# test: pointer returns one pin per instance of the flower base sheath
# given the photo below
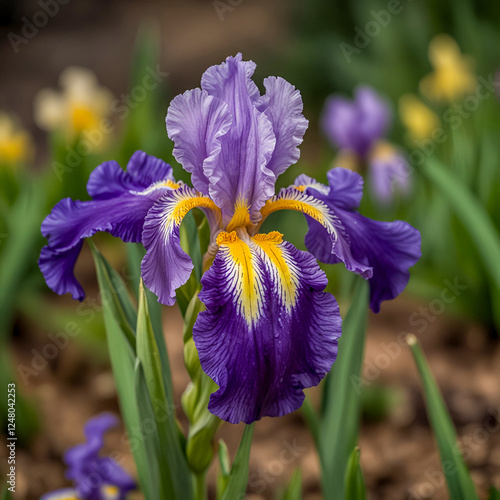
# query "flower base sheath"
(269, 330)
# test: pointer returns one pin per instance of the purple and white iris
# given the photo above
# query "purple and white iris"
(95, 477)
(269, 330)
(358, 127)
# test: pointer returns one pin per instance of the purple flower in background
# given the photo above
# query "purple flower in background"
(95, 477)
(358, 127)
(269, 330)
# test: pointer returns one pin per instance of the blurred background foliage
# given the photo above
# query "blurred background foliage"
(323, 48)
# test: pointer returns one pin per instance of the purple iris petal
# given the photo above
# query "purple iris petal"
(122, 202)
(356, 124)
(241, 175)
(166, 266)
(91, 472)
(387, 174)
(110, 180)
(389, 248)
(282, 104)
(232, 140)
(268, 331)
(196, 122)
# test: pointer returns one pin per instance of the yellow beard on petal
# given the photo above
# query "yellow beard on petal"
(241, 216)
(270, 246)
(245, 278)
(187, 204)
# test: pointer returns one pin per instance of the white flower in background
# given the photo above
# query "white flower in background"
(78, 107)
(16, 145)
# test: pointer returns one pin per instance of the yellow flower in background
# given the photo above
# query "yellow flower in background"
(420, 120)
(79, 107)
(16, 145)
(452, 77)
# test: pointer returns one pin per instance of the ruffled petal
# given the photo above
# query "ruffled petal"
(268, 330)
(282, 104)
(334, 243)
(241, 180)
(122, 215)
(196, 121)
(166, 266)
(109, 180)
(388, 248)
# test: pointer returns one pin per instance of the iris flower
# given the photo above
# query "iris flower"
(269, 330)
(358, 127)
(95, 477)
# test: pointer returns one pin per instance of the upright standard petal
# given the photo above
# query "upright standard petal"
(268, 331)
(166, 266)
(196, 122)
(120, 208)
(241, 180)
(282, 104)
(388, 248)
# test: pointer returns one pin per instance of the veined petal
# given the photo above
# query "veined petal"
(241, 176)
(268, 330)
(334, 243)
(282, 104)
(196, 121)
(120, 209)
(389, 248)
(109, 180)
(166, 266)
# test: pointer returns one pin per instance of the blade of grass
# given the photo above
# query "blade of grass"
(340, 423)
(176, 476)
(494, 494)
(294, 488)
(460, 484)
(135, 254)
(471, 213)
(355, 488)
(238, 478)
(122, 356)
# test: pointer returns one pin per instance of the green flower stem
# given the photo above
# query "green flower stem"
(201, 486)
(200, 446)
